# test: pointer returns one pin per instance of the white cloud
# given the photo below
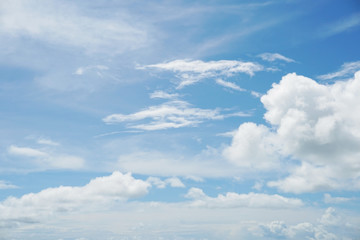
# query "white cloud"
(229, 85)
(47, 158)
(99, 193)
(26, 152)
(315, 124)
(45, 141)
(190, 72)
(98, 69)
(173, 182)
(172, 114)
(252, 146)
(271, 57)
(234, 200)
(329, 199)
(7, 185)
(163, 95)
(346, 70)
(342, 25)
(64, 23)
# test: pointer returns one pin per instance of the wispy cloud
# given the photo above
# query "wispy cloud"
(192, 71)
(47, 158)
(271, 57)
(346, 70)
(59, 22)
(342, 25)
(163, 95)
(331, 200)
(7, 185)
(172, 114)
(229, 85)
(233, 200)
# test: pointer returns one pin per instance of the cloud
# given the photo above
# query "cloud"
(346, 70)
(229, 85)
(65, 23)
(252, 146)
(99, 193)
(164, 95)
(234, 200)
(45, 141)
(47, 158)
(271, 57)
(26, 152)
(342, 25)
(172, 114)
(329, 199)
(7, 185)
(314, 124)
(190, 72)
(173, 182)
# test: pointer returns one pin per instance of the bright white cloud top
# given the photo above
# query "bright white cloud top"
(179, 120)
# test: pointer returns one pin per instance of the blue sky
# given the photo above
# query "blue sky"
(179, 119)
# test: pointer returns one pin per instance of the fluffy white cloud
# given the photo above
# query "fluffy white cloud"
(98, 193)
(234, 200)
(62, 22)
(46, 158)
(172, 114)
(313, 123)
(346, 70)
(271, 57)
(229, 85)
(252, 146)
(190, 72)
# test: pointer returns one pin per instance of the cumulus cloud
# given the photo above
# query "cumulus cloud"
(346, 70)
(315, 124)
(172, 114)
(46, 158)
(234, 200)
(271, 57)
(230, 85)
(61, 22)
(98, 193)
(192, 71)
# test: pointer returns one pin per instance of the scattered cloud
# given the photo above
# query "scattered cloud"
(64, 23)
(46, 158)
(7, 185)
(347, 69)
(173, 182)
(192, 71)
(99, 193)
(335, 200)
(271, 57)
(230, 85)
(172, 114)
(46, 141)
(99, 69)
(342, 25)
(164, 95)
(234, 200)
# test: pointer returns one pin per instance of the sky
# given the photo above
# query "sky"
(179, 119)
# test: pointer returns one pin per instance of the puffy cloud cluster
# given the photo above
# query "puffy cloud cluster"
(233, 200)
(313, 123)
(98, 193)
